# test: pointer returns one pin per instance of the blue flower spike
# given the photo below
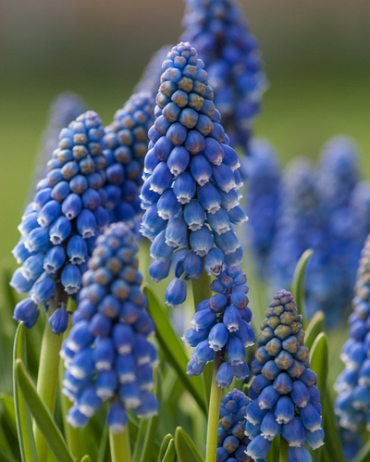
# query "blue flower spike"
(191, 183)
(232, 442)
(218, 30)
(353, 384)
(59, 227)
(107, 353)
(221, 325)
(126, 144)
(285, 399)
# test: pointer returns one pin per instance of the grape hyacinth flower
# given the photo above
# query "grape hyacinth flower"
(353, 384)
(107, 353)
(286, 401)
(263, 171)
(65, 108)
(192, 179)
(126, 144)
(60, 226)
(302, 225)
(221, 325)
(217, 29)
(232, 442)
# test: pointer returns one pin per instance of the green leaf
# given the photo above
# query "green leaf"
(5, 457)
(104, 445)
(332, 442)
(164, 445)
(8, 427)
(298, 281)
(364, 454)
(173, 348)
(170, 455)
(319, 359)
(314, 327)
(43, 418)
(86, 459)
(145, 442)
(185, 448)
(23, 418)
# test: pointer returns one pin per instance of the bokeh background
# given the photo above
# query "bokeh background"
(316, 57)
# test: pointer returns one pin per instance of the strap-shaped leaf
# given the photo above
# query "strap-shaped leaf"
(145, 447)
(173, 348)
(185, 448)
(332, 443)
(164, 445)
(319, 358)
(23, 418)
(43, 418)
(298, 281)
(314, 327)
(364, 453)
(86, 459)
(170, 455)
(5, 457)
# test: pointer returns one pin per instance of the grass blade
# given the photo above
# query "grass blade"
(298, 281)
(185, 448)
(42, 415)
(313, 329)
(23, 418)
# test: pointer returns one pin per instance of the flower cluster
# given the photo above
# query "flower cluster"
(60, 226)
(107, 354)
(221, 326)
(217, 29)
(232, 442)
(126, 144)
(262, 203)
(285, 398)
(192, 178)
(353, 384)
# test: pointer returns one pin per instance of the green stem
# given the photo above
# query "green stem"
(47, 379)
(120, 446)
(213, 415)
(73, 436)
(202, 291)
(283, 450)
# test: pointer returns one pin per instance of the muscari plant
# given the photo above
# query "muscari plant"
(190, 196)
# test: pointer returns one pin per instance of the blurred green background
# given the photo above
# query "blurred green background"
(316, 57)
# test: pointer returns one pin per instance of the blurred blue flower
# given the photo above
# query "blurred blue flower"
(192, 177)
(353, 384)
(262, 202)
(218, 30)
(150, 80)
(107, 353)
(285, 398)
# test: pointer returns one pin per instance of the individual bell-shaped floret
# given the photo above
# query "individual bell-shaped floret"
(286, 401)
(107, 353)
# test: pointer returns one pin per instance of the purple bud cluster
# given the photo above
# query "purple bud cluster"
(232, 442)
(353, 384)
(60, 226)
(221, 326)
(107, 353)
(126, 144)
(192, 178)
(262, 203)
(285, 398)
(217, 29)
